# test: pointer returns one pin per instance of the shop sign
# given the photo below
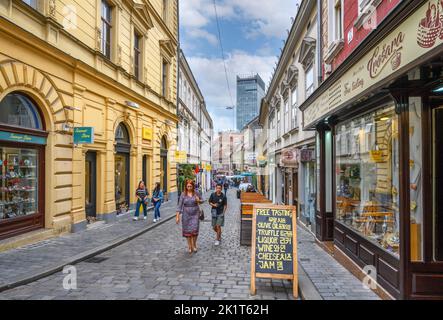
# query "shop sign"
(147, 133)
(208, 167)
(307, 155)
(413, 38)
(289, 157)
(21, 138)
(274, 244)
(181, 156)
(83, 135)
(376, 156)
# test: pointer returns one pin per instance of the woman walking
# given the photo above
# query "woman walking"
(157, 199)
(142, 197)
(188, 207)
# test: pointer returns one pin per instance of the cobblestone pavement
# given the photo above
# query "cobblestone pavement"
(157, 266)
(24, 261)
(331, 279)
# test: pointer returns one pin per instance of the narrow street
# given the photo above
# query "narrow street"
(157, 266)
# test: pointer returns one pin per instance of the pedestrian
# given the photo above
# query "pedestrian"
(142, 197)
(226, 185)
(157, 200)
(219, 204)
(189, 209)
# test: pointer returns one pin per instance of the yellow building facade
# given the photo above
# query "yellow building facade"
(105, 65)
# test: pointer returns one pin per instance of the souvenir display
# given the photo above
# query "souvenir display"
(18, 182)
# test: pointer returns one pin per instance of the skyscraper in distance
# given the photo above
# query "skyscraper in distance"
(250, 91)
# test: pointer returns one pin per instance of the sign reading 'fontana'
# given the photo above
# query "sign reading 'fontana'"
(421, 32)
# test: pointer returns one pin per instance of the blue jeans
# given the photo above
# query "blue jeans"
(137, 208)
(157, 209)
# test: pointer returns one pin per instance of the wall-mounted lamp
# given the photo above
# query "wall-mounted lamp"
(132, 104)
(439, 89)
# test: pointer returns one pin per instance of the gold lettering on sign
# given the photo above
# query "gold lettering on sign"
(389, 52)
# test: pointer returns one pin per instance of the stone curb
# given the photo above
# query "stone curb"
(80, 257)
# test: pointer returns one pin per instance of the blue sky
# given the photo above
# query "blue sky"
(252, 34)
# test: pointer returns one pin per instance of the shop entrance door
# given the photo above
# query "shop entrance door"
(91, 185)
(121, 181)
(295, 190)
(437, 137)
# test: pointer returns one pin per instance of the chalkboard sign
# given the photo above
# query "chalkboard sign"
(274, 244)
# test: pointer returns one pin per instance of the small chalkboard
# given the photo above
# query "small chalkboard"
(274, 244)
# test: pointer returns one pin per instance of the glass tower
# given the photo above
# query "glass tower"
(250, 91)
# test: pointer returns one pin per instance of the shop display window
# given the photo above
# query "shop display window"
(367, 177)
(18, 182)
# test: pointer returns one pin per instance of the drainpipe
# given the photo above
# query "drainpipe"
(319, 43)
(178, 89)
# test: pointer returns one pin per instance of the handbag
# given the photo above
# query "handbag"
(202, 214)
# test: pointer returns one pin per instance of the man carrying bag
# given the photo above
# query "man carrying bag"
(219, 204)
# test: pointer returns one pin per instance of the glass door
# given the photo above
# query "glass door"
(122, 181)
(437, 183)
(90, 185)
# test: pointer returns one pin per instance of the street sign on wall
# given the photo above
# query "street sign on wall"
(83, 135)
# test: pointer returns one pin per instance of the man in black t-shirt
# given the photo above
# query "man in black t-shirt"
(218, 203)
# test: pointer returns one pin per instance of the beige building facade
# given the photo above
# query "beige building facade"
(109, 66)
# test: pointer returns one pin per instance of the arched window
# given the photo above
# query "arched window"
(121, 134)
(164, 144)
(16, 109)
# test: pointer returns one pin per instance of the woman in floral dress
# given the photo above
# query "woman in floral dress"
(188, 207)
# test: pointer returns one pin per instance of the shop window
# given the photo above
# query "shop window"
(415, 178)
(18, 182)
(18, 110)
(367, 178)
(106, 17)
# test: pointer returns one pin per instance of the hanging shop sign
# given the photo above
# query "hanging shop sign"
(376, 156)
(83, 135)
(274, 244)
(289, 157)
(181, 156)
(307, 155)
(21, 138)
(417, 35)
(147, 133)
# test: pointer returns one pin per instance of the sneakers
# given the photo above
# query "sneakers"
(145, 217)
(155, 220)
(135, 219)
(217, 243)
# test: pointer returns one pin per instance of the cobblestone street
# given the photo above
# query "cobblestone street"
(157, 266)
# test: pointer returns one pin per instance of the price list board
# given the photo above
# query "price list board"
(274, 244)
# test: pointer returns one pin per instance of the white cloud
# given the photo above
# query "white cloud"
(261, 18)
(197, 33)
(210, 75)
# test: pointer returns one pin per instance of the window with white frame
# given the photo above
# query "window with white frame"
(106, 17)
(278, 122)
(309, 80)
(294, 108)
(338, 20)
(137, 54)
(287, 117)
